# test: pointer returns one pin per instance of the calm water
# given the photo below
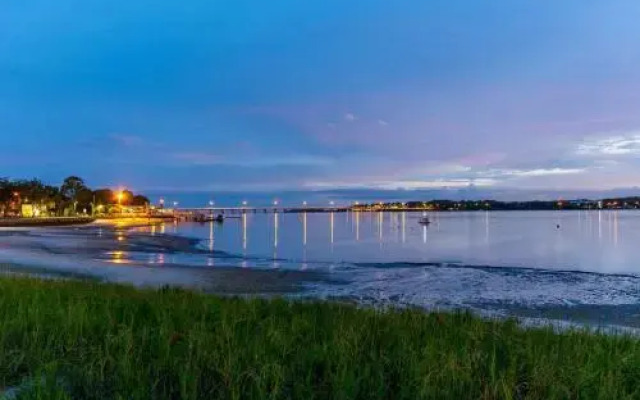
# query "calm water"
(493, 261)
(594, 241)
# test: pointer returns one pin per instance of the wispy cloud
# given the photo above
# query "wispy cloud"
(198, 158)
(406, 184)
(349, 117)
(382, 122)
(611, 146)
(523, 173)
(126, 140)
(204, 159)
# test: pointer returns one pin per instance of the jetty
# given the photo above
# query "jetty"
(256, 210)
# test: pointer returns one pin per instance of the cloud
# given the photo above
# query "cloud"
(382, 122)
(406, 184)
(198, 158)
(525, 173)
(126, 140)
(611, 146)
(349, 117)
(284, 160)
(204, 159)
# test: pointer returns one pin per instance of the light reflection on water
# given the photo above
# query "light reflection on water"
(599, 241)
(365, 256)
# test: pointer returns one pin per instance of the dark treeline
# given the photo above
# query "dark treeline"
(72, 197)
(477, 205)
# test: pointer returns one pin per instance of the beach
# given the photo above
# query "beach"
(247, 258)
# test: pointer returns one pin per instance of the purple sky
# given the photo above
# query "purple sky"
(308, 95)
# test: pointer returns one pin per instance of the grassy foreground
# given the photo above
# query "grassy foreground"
(87, 340)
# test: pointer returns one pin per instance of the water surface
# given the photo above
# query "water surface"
(582, 262)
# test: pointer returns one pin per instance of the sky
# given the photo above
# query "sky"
(331, 96)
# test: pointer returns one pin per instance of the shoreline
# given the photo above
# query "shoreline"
(116, 251)
(44, 222)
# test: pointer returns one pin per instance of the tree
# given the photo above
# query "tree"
(84, 200)
(139, 200)
(6, 192)
(71, 186)
(104, 197)
(71, 196)
(70, 189)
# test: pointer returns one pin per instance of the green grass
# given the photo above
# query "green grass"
(88, 340)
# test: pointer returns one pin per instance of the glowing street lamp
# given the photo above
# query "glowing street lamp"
(175, 204)
(304, 203)
(119, 196)
(275, 202)
(211, 203)
(244, 203)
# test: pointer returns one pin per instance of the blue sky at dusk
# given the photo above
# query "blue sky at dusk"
(322, 95)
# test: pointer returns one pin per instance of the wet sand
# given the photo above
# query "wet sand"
(141, 254)
(120, 253)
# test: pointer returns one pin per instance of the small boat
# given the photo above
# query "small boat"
(424, 221)
(214, 218)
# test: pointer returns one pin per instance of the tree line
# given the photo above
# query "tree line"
(72, 197)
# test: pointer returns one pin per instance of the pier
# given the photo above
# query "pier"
(256, 210)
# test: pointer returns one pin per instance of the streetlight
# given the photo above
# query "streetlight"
(332, 203)
(244, 203)
(275, 202)
(119, 197)
(211, 203)
(175, 204)
(304, 203)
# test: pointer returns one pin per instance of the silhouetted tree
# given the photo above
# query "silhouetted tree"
(139, 200)
(104, 196)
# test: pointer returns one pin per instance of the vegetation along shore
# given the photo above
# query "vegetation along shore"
(33, 198)
(70, 339)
